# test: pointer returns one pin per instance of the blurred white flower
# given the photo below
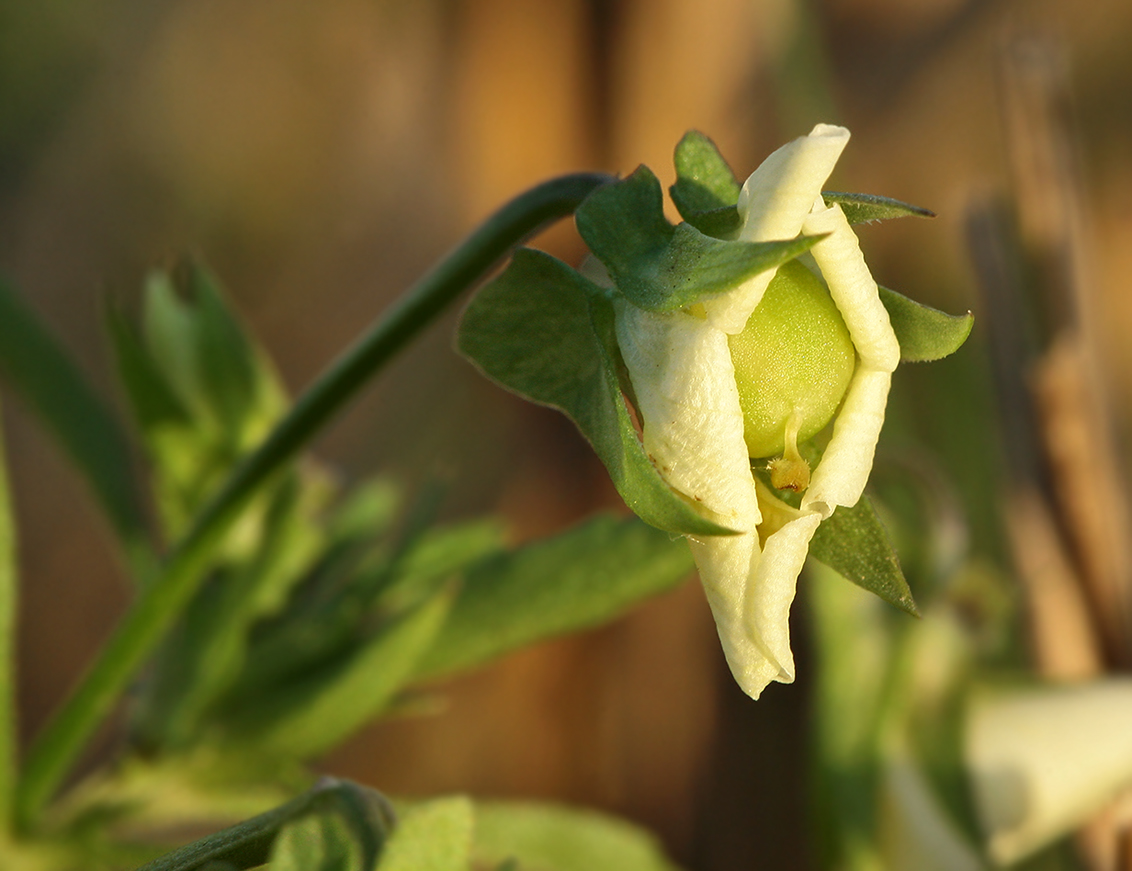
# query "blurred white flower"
(682, 372)
(1043, 761)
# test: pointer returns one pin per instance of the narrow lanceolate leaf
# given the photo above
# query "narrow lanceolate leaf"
(579, 579)
(8, 592)
(854, 543)
(865, 208)
(543, 331)
(53, 385)
(706, 190)
(924, 333)
(308, 717)
(152, 398)
(365, 814)
(659, 267)
(555, 838)
(431, 836)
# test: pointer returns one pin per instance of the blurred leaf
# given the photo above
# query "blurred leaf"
(854, 543)
(431, 836)
(363, 813)
(659, 267)
(315, 712)
(317, 842)
(9, 596)
(205, 354)
(924, 333)
(204, 657)
(853, 643)
(543, 331)
(202, 391)
(555, 838)
(153, 400)
(88, 431)
(706, 190)
(865, 208)
(366, 511)
(581, 578)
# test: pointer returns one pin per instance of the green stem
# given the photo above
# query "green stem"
(8, 592)
(159, 604)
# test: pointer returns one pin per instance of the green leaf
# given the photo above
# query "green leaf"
(924, 333)
(54, 387)
(152, 398)
(545, 332)
(659, 267)
(206, 356)
(865, 208)
(706, 190)
(544, 837)
(311, 715)
(854, 543)
(581, 578)
(364, 813)
(208, 651)
(431, 836)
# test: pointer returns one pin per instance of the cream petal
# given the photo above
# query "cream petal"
(750, 594)
(773, 203)
(771, 592)
(844, 469)
(681, 371)
(852, 287)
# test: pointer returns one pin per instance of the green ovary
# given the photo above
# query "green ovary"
(794, 357)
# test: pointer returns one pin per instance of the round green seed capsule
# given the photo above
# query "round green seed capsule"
(794, 357)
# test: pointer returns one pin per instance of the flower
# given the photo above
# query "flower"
(691, 405)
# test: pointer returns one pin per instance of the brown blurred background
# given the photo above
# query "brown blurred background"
(320, 155)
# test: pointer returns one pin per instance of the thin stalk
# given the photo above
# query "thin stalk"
(8, 592)
(158, 605)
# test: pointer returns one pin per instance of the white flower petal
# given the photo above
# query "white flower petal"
(773, 203)
(750, 594)
(852, 287)
(844, 469)
(681, 371)
(772, 587)
(1042, 761)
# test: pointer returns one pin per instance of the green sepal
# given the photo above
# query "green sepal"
(365, 814)
(659, 267)
(706, 190)
(866, 208)
(924, 333)
(542, 330)
(431, 835)
(854, 543)
(581, 578)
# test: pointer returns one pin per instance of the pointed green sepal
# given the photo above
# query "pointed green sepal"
(924, 333)
(854, 543)
(706, 190)
(659, 267)
(866, 208)
(544, 331)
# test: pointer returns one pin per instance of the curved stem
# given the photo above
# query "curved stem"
(162, 601)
